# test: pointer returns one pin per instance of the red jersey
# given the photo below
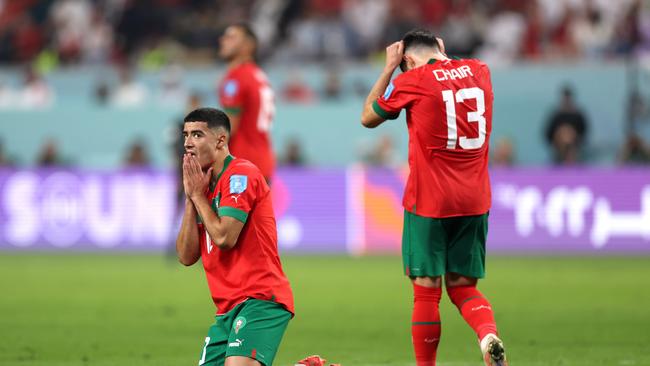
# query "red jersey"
(449, 117)
(252, 268)
(245, 92)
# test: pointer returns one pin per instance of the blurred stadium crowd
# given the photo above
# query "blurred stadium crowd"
(154, 31)
(151, 35)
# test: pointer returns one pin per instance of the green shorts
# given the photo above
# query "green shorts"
(252, 329)
(432, 247)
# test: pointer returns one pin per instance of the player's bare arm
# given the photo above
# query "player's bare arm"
(224, 231)
(187, 242)
(394, 55)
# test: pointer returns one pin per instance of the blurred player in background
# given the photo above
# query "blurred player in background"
(448, 106)
(229, 224)
(247, 98)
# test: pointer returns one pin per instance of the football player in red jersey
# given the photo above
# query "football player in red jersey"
(229, 224)
(448, 104)
(246, 96)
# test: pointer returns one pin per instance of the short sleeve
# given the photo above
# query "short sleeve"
(399, 94)
(231, 95)
(237, 194)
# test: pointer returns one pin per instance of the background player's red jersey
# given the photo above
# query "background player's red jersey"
(245, 91)
(252, 268)
(449, 118)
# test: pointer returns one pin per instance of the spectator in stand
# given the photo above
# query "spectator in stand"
(49, 155)
(36, 93)
(173, 92)
(137, 155)
(71, 20)
(566, 130)
(28, 39)
(5, 159)
(97, 42)
(293, 154)
(7, 96)
(635, 151)
(296, 90)
(129, 93)
(332, 87)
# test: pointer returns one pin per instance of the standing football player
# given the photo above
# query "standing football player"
(448, 105)
(229, 223)
(247, 98)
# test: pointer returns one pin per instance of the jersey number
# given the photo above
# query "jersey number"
(477, 116)
(267, 109)
(205, 349)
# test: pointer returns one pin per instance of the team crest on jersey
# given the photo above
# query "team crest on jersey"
(238, 184)
(389, 91)
(230, 88)
(238, 324)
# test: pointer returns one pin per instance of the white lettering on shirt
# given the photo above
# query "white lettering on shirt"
(453, 74)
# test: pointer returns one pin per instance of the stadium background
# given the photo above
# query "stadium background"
(91, 93)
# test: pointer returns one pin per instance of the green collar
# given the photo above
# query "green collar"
(433, 60)
(226, 162)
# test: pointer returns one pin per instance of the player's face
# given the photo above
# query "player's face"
(231, 43)
(202, 142)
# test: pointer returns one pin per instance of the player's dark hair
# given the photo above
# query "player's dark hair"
(417, 38)
(212, 116)
(249, 32)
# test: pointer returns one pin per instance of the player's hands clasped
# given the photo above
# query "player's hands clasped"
(195, 181)
(394, 55)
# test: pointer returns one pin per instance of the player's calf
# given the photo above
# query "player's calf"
(474, 308)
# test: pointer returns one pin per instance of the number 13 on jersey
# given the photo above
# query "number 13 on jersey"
(450, 98)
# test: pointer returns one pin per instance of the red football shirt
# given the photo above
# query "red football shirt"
(449, 117)
(246, 92)
(252, 268)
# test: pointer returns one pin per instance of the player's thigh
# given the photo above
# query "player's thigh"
(213, 352)
(466, 250)
(424, 246)
(257, 331)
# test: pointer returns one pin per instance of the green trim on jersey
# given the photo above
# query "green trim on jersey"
(382, 113)
(213, 183)
(226, 162)
(233, 111)
(431, 61)
(233, 212)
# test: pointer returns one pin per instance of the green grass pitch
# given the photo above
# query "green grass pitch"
(107, 309)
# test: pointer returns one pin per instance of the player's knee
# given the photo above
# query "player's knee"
(431, 282)
(455, 280)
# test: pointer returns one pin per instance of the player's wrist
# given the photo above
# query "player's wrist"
(390, 69)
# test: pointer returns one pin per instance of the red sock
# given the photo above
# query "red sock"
(474, 308)
(425, 326)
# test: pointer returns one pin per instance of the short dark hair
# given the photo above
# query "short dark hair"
(418, 37)
(249, 32)
(212, 116)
